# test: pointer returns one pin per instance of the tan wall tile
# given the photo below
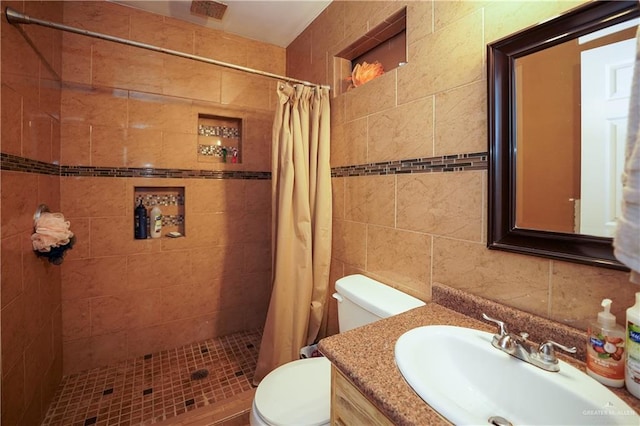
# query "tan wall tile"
(370, 199)
(448, 204)
(76, 316)
(156, 270)
(403, 132)
(461, 40)
(338, 201)
(221, 47)
(93, 277)
(96, 106)
(11, 271)
(504, 18)
(351, 148)
(401, 257)
(82, 247)
(191, 79)
(93, 197)
(377, 95)
(453, 136)
(217, 196)
(76, 151)
(11, 113)
(76, 54)
(160, 31)
(241, 89)
(13, 400)
(578, 290)
(515, 280)
(258, 195)
(349, 242)
(13, 336)
(18, 205)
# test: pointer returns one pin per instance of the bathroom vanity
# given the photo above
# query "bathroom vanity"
(368, 388)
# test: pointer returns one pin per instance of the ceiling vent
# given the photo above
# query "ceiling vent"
(209, 8)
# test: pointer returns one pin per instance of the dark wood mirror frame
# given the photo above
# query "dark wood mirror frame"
(501, 55)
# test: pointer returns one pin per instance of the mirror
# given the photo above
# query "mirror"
(552, 192)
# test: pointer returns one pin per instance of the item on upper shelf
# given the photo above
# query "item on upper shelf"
(140, 222)
(156, 222)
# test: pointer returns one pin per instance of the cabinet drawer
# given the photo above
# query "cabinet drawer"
(349, 406)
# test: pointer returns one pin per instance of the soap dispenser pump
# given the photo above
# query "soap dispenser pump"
(605, 348)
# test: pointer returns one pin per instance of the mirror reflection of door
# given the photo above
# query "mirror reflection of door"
(565, 184)
(606, 74)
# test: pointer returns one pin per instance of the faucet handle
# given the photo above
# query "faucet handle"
(547, 352)
(501, 324)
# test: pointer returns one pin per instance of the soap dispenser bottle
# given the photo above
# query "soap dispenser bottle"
(605, 349)
(632, 372)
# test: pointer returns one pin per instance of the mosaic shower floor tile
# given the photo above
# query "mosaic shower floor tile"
(158, 386)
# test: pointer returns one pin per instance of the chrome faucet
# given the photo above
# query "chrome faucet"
(542, 356)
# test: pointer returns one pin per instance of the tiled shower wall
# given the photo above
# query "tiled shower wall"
(413, 229)
(124, 109)
(30, 294)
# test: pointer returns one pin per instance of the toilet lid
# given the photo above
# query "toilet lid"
(297, 393)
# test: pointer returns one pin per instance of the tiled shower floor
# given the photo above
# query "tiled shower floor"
(157, 386)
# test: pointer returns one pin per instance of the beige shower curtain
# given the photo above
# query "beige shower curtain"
(301, 224)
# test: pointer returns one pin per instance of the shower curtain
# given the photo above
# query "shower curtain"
(301, 224)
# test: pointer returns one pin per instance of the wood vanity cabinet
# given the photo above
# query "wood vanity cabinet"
(349, 406)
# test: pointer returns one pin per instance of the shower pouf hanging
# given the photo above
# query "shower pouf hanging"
(52, 237)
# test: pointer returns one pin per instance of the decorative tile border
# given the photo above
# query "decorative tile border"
(19, 164)
(446, 163)
(221, 131)
(15, 163)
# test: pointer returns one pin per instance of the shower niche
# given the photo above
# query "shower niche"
(219, 139)
(170, 201)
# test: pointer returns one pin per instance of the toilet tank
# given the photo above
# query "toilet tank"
(362, 300)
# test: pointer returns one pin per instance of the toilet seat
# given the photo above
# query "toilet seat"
(295, 394)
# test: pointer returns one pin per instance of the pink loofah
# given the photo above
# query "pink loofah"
(51, 231)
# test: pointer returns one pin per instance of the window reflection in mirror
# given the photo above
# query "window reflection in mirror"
(571, 104)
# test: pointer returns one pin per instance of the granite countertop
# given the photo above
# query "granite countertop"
(365, 355)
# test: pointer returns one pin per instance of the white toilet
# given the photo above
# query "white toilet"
(299, 392)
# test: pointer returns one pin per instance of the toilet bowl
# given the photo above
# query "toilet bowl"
(296, 393)
(299, 393)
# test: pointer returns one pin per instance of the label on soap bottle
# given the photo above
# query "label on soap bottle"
(633, 355)
(605, 355)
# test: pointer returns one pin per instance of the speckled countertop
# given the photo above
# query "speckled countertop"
(365, 355)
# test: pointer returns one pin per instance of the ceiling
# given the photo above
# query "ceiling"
(277, 22)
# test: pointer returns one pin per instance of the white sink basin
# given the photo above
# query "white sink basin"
(464, 378)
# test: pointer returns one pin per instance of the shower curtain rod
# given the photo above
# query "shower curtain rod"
(14, 17)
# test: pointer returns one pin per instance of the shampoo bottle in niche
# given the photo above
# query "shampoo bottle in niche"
(632, 370)
(605, 349)
(156, 222)
(140, 222)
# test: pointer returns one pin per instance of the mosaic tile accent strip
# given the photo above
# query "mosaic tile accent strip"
(446, 163)
(155, 387)
(15, 163)
(172, 220)
(149, 200)
(217, 150)
(219, 131)
(87, 171)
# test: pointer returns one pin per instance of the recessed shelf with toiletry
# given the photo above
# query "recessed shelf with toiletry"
(159, 212)
(219, 139)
